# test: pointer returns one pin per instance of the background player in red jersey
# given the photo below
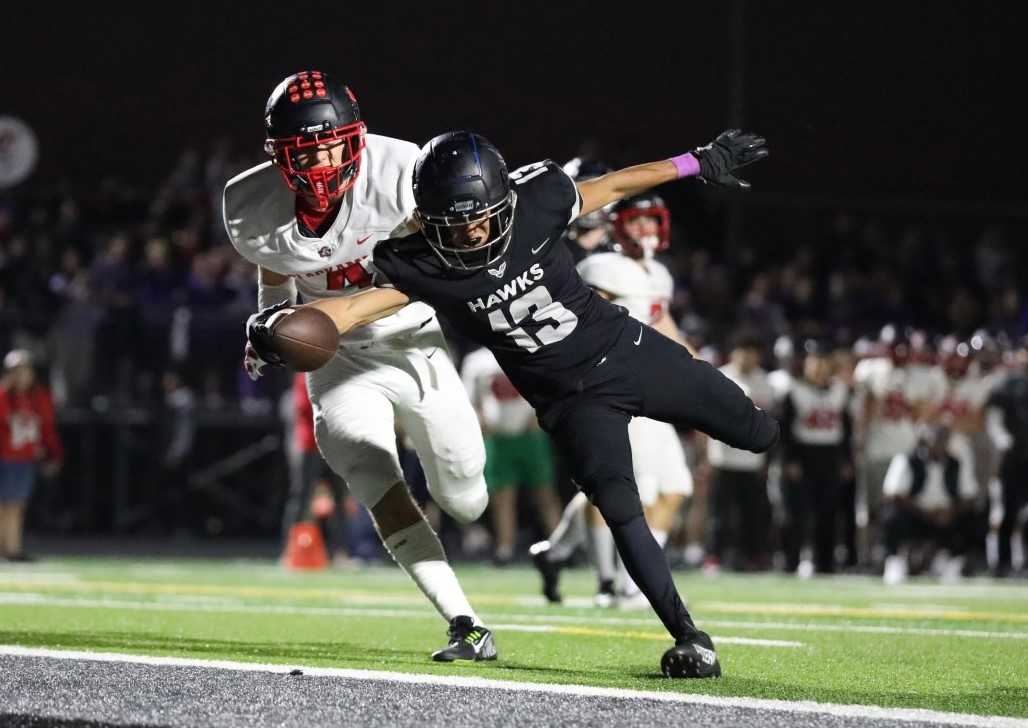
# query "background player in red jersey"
(28, 436)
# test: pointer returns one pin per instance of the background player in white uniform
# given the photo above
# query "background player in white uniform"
(738, 483)
(518, 452)
(344, 191)
(634, 279)
(896, 396)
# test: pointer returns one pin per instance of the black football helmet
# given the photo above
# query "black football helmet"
(307, 110)
(646, 204)
(460, 179)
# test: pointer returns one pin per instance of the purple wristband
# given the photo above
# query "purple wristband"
(686, 164)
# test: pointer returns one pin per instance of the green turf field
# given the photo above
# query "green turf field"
(960, 648)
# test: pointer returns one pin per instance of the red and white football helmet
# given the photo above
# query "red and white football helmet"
(305, 112)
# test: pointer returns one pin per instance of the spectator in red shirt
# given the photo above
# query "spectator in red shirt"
(28, 436)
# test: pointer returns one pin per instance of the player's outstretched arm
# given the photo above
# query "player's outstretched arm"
(714, 163)
(362, 308)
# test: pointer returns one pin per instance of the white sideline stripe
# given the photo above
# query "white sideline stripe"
(588, 691)
(192, 606)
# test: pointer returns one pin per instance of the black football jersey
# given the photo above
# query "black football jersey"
(545, 326)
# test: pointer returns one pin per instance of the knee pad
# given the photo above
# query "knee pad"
(465, 499)
(615, 496)
(458, 485)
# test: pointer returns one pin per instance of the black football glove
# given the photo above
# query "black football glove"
(732, 150)
(260, 352)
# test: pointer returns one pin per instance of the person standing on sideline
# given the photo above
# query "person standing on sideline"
(28, 436)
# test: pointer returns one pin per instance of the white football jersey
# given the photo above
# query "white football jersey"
(644, 288)
(899, 389)
(756, 386)
(499, 404)
(965, 395)
(260, 218)
(820, 412)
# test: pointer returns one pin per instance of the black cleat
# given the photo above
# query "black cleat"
(691, 657)
(549, 570)
(468, 641)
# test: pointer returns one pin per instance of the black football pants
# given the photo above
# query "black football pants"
(647, 374)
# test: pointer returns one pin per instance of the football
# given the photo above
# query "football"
(306, 338)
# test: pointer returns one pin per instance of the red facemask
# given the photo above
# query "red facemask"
(633, 248)
(324, 185)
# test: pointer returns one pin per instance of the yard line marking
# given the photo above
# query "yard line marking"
(782, 706)
(838, 610)
(657, 636)
(868, 629)
(374, 598)
(788, 626)
(16, 577)
(191, 606)
(184, 602)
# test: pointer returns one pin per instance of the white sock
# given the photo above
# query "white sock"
(660, 537)
(569, 534)
(418, 552)
(603, 552)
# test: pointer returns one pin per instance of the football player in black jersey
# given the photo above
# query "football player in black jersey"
(488, 257)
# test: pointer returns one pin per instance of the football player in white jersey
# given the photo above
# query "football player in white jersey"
(309, 219)
(966, 392)
(634, 279)
(896, 395)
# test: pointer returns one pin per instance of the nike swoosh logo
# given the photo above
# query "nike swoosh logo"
(541, 246)
(364, 239)
(640, 337)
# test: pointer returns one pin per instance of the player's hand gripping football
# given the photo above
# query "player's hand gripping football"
(259, 352)
(732, 150)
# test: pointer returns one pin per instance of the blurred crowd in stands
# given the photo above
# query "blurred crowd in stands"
(128, 297)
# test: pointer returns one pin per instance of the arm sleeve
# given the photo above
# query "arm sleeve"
(270, 295)
(898, 477)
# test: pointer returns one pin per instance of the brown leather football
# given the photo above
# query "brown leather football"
(306, 338)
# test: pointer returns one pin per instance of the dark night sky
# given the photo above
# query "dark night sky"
(859, 99)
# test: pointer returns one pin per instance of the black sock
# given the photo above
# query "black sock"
(648, 567)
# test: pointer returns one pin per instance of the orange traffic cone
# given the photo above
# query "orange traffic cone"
(305, 548)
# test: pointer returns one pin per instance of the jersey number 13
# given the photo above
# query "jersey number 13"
(538, 304)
